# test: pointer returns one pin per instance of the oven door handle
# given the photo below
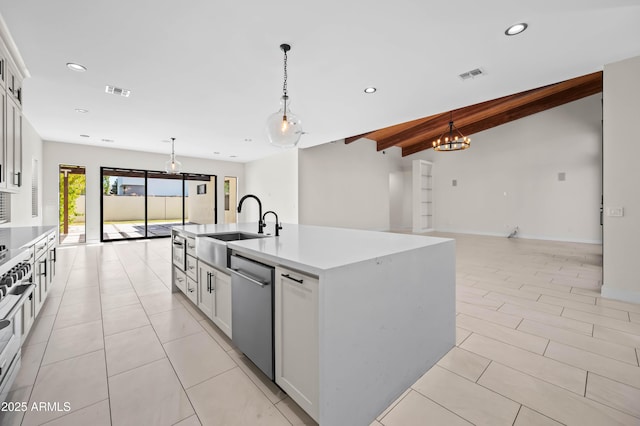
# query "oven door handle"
(12, 313)
(4, 323)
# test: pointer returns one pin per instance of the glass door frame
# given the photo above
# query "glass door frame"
(183, 177)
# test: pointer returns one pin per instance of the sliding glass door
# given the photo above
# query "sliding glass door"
(146, 204)
(164, 203)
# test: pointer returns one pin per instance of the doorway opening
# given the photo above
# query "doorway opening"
(72, 192)
(138, 204)
(230, 199)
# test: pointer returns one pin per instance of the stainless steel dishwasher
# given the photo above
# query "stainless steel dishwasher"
(252, 311)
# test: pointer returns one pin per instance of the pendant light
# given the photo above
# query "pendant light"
(454, 139)
(173, 166)
(284, 128)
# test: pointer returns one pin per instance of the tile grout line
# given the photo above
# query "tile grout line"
(184, 390)
(517, 414)
(48, 337)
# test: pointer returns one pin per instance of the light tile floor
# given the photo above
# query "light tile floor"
(536, 345)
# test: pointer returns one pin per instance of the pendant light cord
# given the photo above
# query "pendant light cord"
(284, 87)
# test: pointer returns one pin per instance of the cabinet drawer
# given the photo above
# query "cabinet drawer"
(40, 248)
(192, 290)
(192, 268)
(180, 279)
(191, 246)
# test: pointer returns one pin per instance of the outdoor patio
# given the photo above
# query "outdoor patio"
(120, 231)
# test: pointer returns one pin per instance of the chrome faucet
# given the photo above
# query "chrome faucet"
(278, 224)
(260, 221)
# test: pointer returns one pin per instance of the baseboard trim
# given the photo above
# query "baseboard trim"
(624, 295)
(523, 236)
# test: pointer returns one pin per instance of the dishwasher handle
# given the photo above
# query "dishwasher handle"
(236, 271)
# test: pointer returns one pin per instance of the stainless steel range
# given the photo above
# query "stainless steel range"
(16, 289)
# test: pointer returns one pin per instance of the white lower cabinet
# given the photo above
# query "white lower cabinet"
(296, 338)
(28, 314)
(180, 279)
(222, 317)
(215, 296)
(206, 284)
(192, 290)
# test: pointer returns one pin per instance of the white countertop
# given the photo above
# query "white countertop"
(316, 248)
(23, 236)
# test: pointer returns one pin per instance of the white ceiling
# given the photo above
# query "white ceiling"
(210, 72)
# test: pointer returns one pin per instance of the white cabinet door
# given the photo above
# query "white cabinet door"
(13, 159)
(222, 317)
(206, 283)
(296, 338)
(28, 314)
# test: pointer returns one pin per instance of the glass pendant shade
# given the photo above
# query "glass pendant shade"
(284, 128)
(173, 167)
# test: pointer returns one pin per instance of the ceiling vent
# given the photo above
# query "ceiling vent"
(472, 74)
(118, 91)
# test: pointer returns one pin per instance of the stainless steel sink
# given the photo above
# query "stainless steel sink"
(235, 236)
(213, 249)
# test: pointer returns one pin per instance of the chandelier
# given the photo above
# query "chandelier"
(283, 127)
(451, 139)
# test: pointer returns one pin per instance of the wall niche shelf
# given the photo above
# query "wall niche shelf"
(422, 196)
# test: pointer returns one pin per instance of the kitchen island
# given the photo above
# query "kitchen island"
(378, 313)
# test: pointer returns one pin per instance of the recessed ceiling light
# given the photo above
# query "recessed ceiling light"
(370, 90)
(76, 67)
(84, 136)
(516, 29)
(82, 110)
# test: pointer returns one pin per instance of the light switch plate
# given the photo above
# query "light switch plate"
(615, 211)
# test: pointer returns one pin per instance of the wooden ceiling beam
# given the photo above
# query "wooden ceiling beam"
(351, 139)
(587, 87)
(478, 112)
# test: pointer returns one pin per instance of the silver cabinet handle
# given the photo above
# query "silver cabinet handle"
(252, 280)
(180, 279)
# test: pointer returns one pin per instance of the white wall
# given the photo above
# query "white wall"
(509, 177)
(400, 200)
(346, 185)
(21, 201)
(274, 180)
(621, 178)
(93, 158)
